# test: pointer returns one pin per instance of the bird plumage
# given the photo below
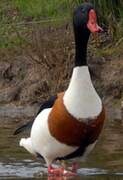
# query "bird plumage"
(69, 125)
(47, 104)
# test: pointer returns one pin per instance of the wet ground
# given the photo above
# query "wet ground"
(104, 163)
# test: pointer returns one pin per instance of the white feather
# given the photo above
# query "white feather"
(27, 144)
(81, 99)
(44, 143)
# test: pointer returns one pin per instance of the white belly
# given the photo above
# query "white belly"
(42, 141)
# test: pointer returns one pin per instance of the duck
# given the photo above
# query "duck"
(68, 125)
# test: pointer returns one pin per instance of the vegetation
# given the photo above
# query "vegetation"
(111, 13)
(55, 8)
(14, 13)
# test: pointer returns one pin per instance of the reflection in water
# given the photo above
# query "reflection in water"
(105, 162)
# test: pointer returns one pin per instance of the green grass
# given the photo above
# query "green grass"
(107, 9)
(9, 37)
(42, 8)
(110, 14)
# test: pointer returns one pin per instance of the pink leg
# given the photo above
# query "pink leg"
(60, 172)
(55, 171)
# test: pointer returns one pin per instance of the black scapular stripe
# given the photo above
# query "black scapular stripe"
(28, 125)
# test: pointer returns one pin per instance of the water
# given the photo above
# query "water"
(104, 163)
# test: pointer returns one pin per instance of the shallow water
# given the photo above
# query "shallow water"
(105, 162)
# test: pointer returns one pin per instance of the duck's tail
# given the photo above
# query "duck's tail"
(27, 144)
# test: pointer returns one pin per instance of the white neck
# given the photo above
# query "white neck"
(81, 99)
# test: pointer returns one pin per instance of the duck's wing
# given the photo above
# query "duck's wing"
(47, 104)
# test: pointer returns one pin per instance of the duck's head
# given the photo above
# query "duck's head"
(85, 18)
(84, 22)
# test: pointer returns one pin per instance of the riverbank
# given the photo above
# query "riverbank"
(31, 73)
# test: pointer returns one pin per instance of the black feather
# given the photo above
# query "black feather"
(28, 125)
(24, 127)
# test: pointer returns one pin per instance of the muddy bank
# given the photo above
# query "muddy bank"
(13, 111)
(30, 74)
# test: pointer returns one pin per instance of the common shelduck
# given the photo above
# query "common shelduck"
(68, 125)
